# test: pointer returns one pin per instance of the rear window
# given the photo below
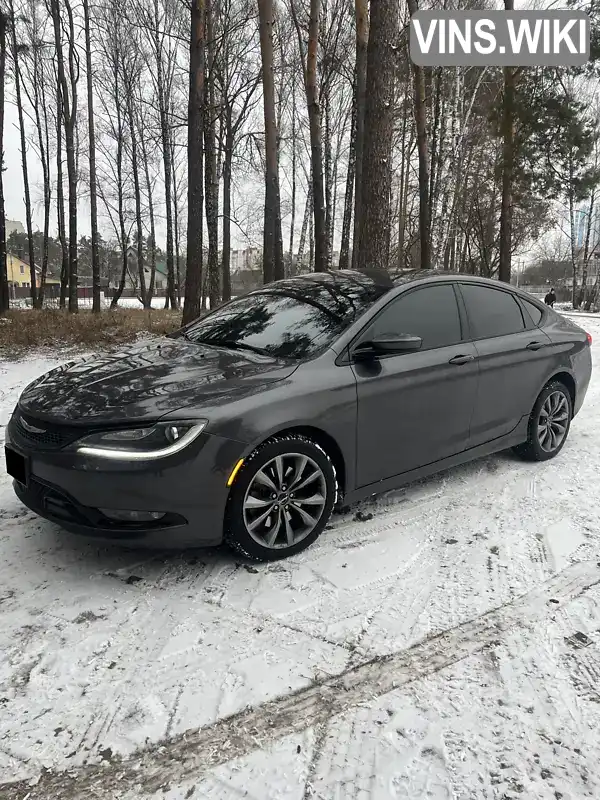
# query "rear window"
(492, 312)
(535, 312)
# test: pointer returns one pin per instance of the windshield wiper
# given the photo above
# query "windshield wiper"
(232, 344)
(229, 344)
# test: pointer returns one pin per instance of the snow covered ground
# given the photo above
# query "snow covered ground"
(443, 642)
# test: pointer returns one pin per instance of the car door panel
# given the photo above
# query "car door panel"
(513, 359)
(511, 376)
(413, 410)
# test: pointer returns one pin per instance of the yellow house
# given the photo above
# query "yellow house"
(19, 273)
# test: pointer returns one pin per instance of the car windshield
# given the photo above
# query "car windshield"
(294, 319)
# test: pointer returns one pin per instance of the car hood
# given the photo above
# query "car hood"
(148, 382)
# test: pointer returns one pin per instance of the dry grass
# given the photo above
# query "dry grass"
(25, 330)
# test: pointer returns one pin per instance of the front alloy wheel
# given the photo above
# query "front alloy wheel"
(281, 500)
(285, 501)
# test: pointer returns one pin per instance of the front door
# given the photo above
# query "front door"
(415, 408)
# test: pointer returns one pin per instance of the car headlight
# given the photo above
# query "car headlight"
(140, 444)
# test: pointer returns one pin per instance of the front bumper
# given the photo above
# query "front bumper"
(190, 488)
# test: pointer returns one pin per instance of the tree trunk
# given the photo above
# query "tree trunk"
(349, 198)
(586, 251)
(211, 178)
(574, 295)
(303, 232)
(165, 136)
(435, 142)
(316, 144)
(92, 160)
(41, 120)
(362, 42)
(17, 79)
(329, 182)
(272, 247)
(402, 199)
(4, 293)
(68, 105)
(176, 228)
(311, 239)
(508, 156)
(420, 106)
(290, 270)
(193, 281)
(60, 205)
(71, 146)
(152, 242)
(376, 179)
(123, 236)
(227, 170)
(137, 193)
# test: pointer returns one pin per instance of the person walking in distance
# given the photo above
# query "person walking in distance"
(550, 298)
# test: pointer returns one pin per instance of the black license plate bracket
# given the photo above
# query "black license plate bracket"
(17, 465)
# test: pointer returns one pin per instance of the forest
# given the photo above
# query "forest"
(179, 131)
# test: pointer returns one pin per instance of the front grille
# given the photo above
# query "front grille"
(44, 435)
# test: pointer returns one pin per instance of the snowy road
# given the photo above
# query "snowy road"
(446, 647)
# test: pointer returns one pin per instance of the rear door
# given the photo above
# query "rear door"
(513, 355)
(415, 408)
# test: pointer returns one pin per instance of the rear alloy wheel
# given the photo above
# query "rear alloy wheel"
(549, 424)
(281, 500)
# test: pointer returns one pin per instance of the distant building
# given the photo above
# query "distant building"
(18, 271)
(249, 258)
(581, 229)
(12, 226)
(19, 274)
(132, 278)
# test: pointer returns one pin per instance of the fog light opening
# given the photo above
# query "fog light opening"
(132, 516)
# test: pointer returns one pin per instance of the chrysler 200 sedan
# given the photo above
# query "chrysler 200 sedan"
(251, 423)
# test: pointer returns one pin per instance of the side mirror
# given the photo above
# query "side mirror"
(387, 344)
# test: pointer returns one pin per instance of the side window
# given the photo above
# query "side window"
(535, 312)
(492, 312)
(431, 313)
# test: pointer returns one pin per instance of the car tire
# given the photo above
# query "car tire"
(549, 424)
(285, 482)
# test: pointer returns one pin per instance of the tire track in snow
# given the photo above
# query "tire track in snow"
(197, 751)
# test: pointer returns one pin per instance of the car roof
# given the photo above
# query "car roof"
(366, 279)
(376, 283)
(410, 275)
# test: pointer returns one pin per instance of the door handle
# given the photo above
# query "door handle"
(535, 345)
(461, 360)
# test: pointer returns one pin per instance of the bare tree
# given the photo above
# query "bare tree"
(508, 134)
(309, 67)
(36, 85)
(4, 295)
(92, 162)
(360, 83)
(421, 126)
(16, 49)
(237, 74)
(211, 178)
(273, 268)
(374, 245)
(68, 104)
